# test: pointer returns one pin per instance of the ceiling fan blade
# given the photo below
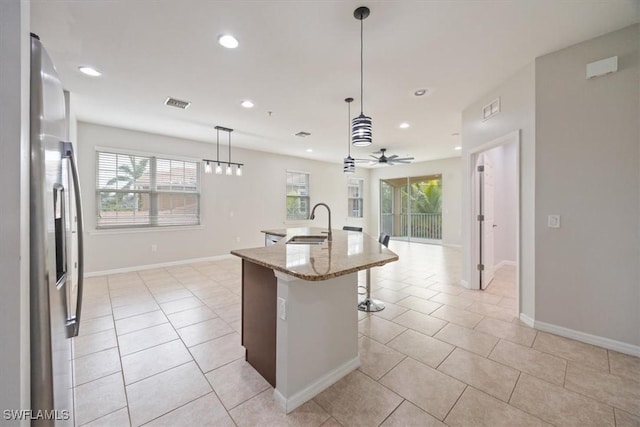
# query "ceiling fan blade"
(377, 152)
(401, 161)
(392, 157)
(403, 158)
(371, 155)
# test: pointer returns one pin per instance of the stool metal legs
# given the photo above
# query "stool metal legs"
(369, 304)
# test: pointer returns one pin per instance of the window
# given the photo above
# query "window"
(297, 195)
(355, 189)
(146, 191)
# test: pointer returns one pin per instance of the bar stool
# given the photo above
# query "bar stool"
(369, 304)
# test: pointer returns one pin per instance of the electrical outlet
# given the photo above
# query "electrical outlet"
(553, 221)
(154, 248)
(282, 308)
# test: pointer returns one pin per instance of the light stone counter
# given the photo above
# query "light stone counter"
(349, 252)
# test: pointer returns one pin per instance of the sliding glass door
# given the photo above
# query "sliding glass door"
(411, 208)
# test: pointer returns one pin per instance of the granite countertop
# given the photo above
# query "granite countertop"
(350, 251)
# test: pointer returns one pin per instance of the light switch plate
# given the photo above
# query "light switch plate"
(553, 221)
(282, 308)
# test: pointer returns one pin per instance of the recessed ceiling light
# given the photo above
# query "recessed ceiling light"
(247, 104)
(458, 148)
(309, 150)
(89, 71)
(421, 92)
(228, 41)
(404, 125)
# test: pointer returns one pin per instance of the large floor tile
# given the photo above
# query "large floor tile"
(507, 330)
(162, 393)
(236, 383)
(230, 313)
(569, 349)
(119, 418)
(477, 342)
(377, 359)
(98, 324)
(421, 347)
(624, 419)
(447, 289)
(134, 309)
(624, 365)
(206, 411)
(140, 321)
(559, 406)
(357, 400)
(180, 305)
(419, 304)
(408, 414)
(263, 411)
(431, 390)
(218, 352)
(420, 322)
(420, 292)
(146, 338)
(99, 398)
(457, 316)
(145, 363)
(481, 296)
(390, 312)
(93, 343)
(204, 331)
(452, 300)
(379, 329)
(486, 375)
(389, 295)
(191, 316)
(621, 392)
(533, 362)
(172, 295)
(476, 408)
(96, 365)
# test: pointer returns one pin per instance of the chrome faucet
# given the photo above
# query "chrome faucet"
(313, 216)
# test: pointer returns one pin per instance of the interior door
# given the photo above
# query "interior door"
(486, 220)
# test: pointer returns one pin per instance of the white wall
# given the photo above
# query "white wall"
(233, 209)
(588, 162)
(14, 209)
(451, 185)
(517, 96)
(505, 208)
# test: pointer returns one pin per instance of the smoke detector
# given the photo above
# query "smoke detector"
(172, 102)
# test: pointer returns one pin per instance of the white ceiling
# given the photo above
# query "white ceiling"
(300, 59)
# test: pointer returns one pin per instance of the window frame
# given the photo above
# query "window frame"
(361, 198)
(307, 197)
(153, 192)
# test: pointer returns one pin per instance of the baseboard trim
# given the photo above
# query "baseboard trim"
(465, 284)
(452, 245)
(527, 320)
(619, 346)
(309, 392)
(160, 265)
(503, 263)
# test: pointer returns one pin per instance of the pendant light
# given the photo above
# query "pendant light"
(208, 162)
(361, 129)
(349, 164)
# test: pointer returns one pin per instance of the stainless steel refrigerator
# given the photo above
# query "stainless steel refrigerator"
(56, 255)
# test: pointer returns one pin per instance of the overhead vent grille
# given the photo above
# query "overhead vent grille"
(172, 102)
(303, 134)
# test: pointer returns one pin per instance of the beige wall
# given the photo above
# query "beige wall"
(233, 209)
(517, 96)
(14, 209)
(587, 158)
(451, 185)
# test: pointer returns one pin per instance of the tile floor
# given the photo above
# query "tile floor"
(162, 348)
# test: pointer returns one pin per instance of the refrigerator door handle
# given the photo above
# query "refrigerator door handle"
(73, 323)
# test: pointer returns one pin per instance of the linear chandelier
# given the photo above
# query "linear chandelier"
(208, 163)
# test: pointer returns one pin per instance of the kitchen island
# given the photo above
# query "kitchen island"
(299, 308)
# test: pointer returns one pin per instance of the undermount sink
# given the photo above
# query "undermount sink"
(306, 240)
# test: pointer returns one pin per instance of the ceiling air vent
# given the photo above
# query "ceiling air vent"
(172, 102)
(303, 134)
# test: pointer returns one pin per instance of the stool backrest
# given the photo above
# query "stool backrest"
(384, 239)
(350, 228)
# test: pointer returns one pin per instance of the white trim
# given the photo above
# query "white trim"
(464, 283)
(312, 390)
(128, 230)
(158, 155)
(160, 265)
(527, 320)
(622, 347)
(451, 245)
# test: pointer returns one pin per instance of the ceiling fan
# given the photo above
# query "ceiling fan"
(390, 160)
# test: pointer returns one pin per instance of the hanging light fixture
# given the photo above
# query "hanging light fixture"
(349, 164)
(361, 129)
(208, 162)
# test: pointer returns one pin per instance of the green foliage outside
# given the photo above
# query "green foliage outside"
(129, 175)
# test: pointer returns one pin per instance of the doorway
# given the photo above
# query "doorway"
(495, 215)
(411, 208)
